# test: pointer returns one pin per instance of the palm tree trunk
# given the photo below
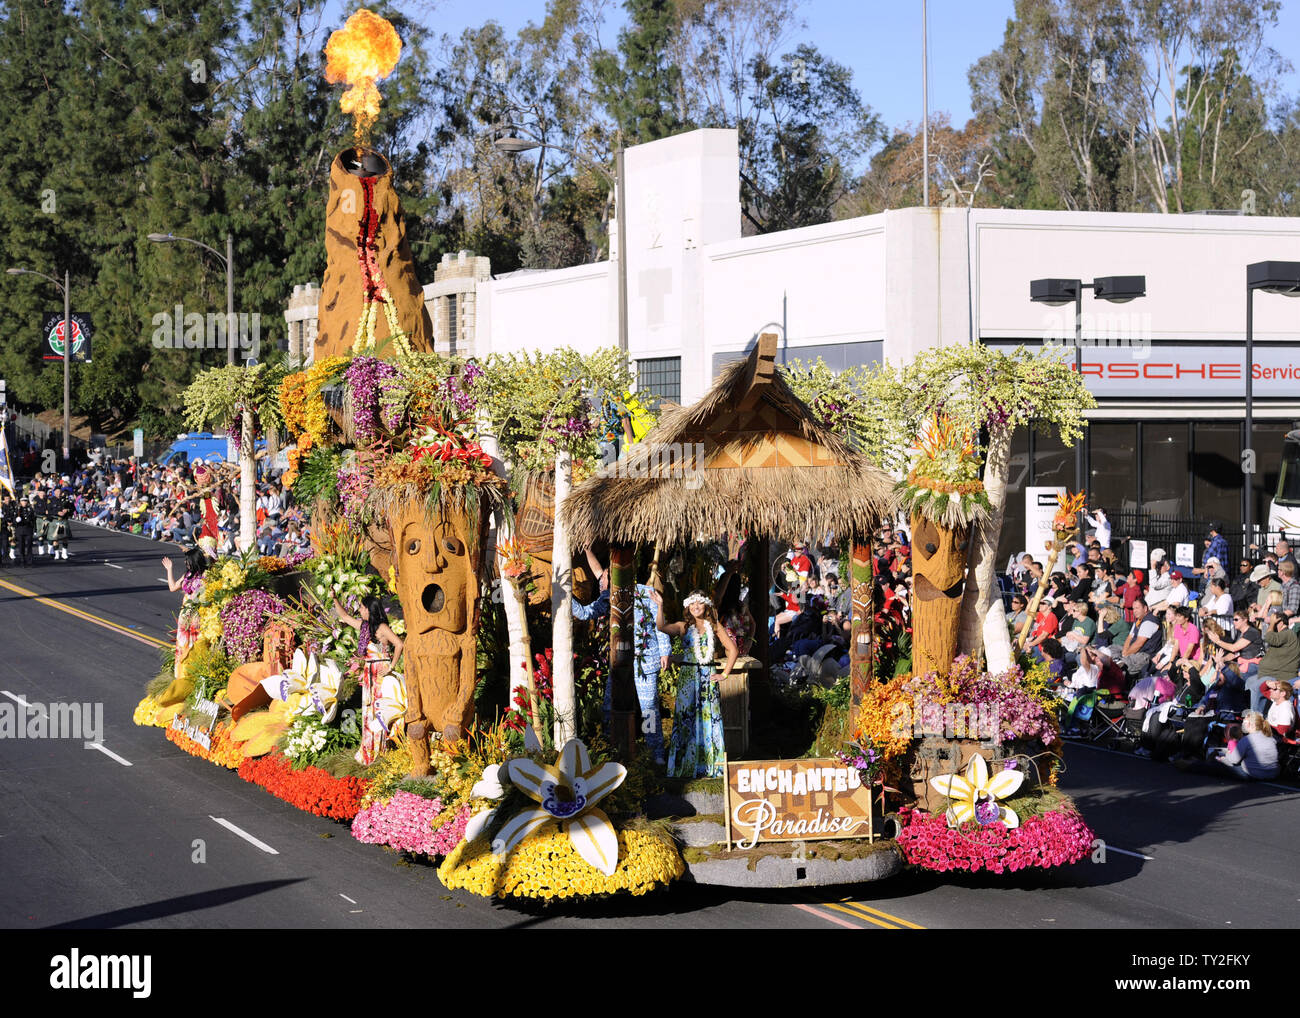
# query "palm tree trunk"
(981, 577)
(566, 726)
(512, 599)
(247, 484)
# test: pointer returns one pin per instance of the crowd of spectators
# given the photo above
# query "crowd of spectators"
(165, 503)
(1221, 639)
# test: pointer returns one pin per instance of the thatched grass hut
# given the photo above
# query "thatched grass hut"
(749, 458)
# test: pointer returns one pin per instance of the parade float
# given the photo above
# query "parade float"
(462, 498)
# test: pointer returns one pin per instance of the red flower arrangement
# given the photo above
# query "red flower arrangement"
(310, 789)
(1056, 838)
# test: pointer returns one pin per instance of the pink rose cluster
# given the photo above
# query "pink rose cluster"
(406, 821)
(1057, 838)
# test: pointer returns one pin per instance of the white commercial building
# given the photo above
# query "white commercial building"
(1167, 369)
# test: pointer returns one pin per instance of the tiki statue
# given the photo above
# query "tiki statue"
(437, 563)
(938, 575)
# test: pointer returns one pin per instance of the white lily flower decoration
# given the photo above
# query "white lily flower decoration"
(490, 786)
(324, 692)
(297, 678)
(391, 710)
(566, 794)
(975, 796)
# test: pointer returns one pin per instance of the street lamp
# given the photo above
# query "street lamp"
(1056, 292)
(513, 140)
(65, 286)
(1271, 277)
(229, 262)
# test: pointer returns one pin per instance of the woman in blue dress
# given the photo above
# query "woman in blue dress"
(696, 749)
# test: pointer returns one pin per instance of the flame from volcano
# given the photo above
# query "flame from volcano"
(360, 53)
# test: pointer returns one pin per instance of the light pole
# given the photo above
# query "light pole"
(65, 286)
(229, 262)
(513, 142)
(1056, 292)
(1271, 277)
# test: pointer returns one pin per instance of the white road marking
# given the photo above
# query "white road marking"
(21, 702)
(1135, 855)
(108, 752)
(111, 565)
(346, 898)
(244, 834)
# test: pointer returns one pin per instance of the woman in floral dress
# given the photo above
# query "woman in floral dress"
(696, 749)
(191, 584)
(379, 648)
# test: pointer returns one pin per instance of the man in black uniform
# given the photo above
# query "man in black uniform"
(24, 523)
(39, 508)
(7, 509)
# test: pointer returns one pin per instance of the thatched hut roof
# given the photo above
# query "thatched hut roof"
(749, 457)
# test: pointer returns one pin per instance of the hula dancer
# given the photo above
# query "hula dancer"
(696, 748)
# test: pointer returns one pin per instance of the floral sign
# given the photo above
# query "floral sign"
(796, 800)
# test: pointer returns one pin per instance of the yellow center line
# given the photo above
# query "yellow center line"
(883, 915)
(859, 915)
(87, 616)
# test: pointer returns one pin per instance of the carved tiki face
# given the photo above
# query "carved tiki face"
(436, 578)
(938, 575)
(938, 560)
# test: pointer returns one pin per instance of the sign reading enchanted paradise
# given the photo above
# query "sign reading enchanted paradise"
(795, 800)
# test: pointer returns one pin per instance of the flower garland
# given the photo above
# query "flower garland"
(547, 866)
(1056, 838)
(243, 620)
(705, 658)
(409, 823)
(311, 789)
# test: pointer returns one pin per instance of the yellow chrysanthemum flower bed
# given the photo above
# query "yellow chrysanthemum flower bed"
(210, 623)
(146, 713)
(547, 866)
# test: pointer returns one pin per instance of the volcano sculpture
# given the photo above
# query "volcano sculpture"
(371, 301)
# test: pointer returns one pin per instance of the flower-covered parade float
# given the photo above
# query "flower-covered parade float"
(532, 641)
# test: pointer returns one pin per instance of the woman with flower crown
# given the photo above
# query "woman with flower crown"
(697, 749)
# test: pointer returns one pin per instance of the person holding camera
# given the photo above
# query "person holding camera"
(1281, 659)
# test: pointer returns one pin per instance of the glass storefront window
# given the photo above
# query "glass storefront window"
(1216, 470)
(1112, 466)
(1164, 468)
(1012, 538)
(1053, 461)
(1268, 441)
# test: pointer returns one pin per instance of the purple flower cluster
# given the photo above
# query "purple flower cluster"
(364, 377)
(455, 390)
(242, 620)
(297, 558)
(406, 822)
(353, 489)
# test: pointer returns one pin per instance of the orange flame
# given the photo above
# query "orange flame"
(360, 53)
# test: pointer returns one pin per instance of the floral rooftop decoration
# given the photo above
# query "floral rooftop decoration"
(943, 484)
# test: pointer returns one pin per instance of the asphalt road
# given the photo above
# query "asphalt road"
(142, 835)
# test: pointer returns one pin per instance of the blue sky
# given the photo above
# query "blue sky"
(880, 40)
